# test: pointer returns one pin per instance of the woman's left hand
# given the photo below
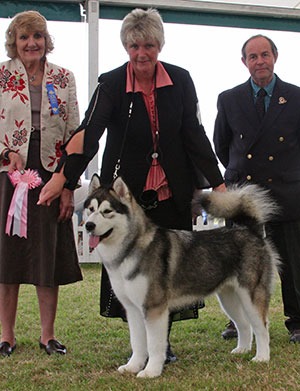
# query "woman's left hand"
(52, 189)
(66, 205)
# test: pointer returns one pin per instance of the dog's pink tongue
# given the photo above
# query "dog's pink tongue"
(93, 241)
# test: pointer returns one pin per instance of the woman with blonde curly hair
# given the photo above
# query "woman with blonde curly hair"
(38, 113)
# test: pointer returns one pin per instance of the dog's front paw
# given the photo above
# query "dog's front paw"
(128, 368)
(132, 366)
(261, 358)
(149, 373)
(153, 368)
(240, 350)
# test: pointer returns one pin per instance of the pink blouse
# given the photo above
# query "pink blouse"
(156, 179)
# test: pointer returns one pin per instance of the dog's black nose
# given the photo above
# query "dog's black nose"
(90, 226)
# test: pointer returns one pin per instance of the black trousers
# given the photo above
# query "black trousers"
(166, 215)
(286, 238)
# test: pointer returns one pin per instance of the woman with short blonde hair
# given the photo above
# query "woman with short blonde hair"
(139, 25)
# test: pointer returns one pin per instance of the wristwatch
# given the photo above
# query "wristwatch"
(5, 155)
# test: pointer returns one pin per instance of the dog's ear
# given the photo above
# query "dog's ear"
(121, 189)
(94, 184)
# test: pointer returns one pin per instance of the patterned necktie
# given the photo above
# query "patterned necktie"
(260, 103)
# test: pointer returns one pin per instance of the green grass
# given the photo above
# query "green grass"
(97, 346)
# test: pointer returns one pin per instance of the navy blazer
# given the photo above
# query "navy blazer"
(266, 153)
(186, 154)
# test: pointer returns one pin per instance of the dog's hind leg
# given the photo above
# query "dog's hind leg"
(256, 310)
(232, 306)
(157, 332)
(138, 340)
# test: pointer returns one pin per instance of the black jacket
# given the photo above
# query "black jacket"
(185, 151)
(268, 153)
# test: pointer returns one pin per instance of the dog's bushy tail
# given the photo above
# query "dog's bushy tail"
(248, 205)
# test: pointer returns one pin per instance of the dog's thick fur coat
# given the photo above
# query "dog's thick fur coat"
(154, 271)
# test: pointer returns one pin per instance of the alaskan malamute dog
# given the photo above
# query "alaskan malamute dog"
(154, 270)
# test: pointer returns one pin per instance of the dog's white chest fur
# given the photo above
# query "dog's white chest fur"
(126, 288)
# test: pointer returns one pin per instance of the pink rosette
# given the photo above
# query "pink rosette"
(17, 213)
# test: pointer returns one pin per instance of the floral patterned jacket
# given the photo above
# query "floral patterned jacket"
(15, 111)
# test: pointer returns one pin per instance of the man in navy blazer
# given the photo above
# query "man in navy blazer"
(257, 139)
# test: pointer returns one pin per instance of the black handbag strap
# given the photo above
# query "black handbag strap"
(118, 164)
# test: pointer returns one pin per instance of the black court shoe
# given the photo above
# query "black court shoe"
(230, 331)
(295, 336)
(170, 356)
(6, 349)
(53, 346)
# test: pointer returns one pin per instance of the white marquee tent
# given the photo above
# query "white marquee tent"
(281, 15)
(264, 14)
